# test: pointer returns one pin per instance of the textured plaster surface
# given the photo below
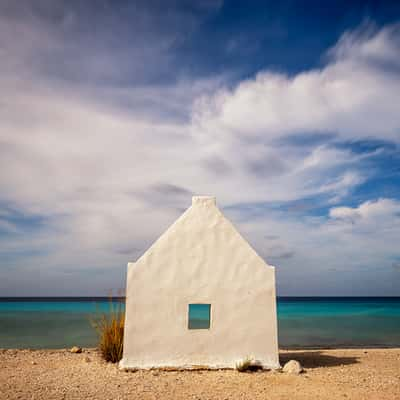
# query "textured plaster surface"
(201, 258)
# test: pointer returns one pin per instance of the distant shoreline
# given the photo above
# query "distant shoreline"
(285, 349)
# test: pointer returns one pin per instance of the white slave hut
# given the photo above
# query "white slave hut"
(200, 296)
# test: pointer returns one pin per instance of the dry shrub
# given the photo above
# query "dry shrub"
(249, 364)
(110, 329)
(244, 365)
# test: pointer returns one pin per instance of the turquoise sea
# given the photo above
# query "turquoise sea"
(303, 322)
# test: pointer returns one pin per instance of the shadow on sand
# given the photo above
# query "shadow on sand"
(316, 359)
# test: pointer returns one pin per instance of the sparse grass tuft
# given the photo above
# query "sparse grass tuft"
(110, 329)
(244, 365)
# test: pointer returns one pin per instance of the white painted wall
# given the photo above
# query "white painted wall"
(201, 258)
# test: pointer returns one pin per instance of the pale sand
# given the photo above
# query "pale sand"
(330, 374)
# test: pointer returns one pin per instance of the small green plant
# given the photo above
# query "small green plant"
(244, 365)
(110, 330)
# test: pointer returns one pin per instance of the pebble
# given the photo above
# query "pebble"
(292, 367)
(76, 349)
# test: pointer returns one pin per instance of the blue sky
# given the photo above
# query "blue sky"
(113, 114)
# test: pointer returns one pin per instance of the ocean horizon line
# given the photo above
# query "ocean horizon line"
(101, 298)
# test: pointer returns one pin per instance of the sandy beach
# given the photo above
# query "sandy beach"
(329, 374)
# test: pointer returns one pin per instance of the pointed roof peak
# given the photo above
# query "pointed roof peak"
(204, 201)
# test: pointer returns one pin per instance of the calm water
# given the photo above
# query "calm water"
(303, 322)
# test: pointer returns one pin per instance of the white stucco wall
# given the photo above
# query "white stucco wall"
(201, 258)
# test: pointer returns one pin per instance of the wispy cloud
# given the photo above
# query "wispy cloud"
(97, 140)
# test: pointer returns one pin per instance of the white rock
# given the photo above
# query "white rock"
(292, 367)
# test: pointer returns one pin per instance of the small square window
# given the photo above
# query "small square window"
(199, 316)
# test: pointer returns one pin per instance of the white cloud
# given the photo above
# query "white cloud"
(355, 96)
(369, 210)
